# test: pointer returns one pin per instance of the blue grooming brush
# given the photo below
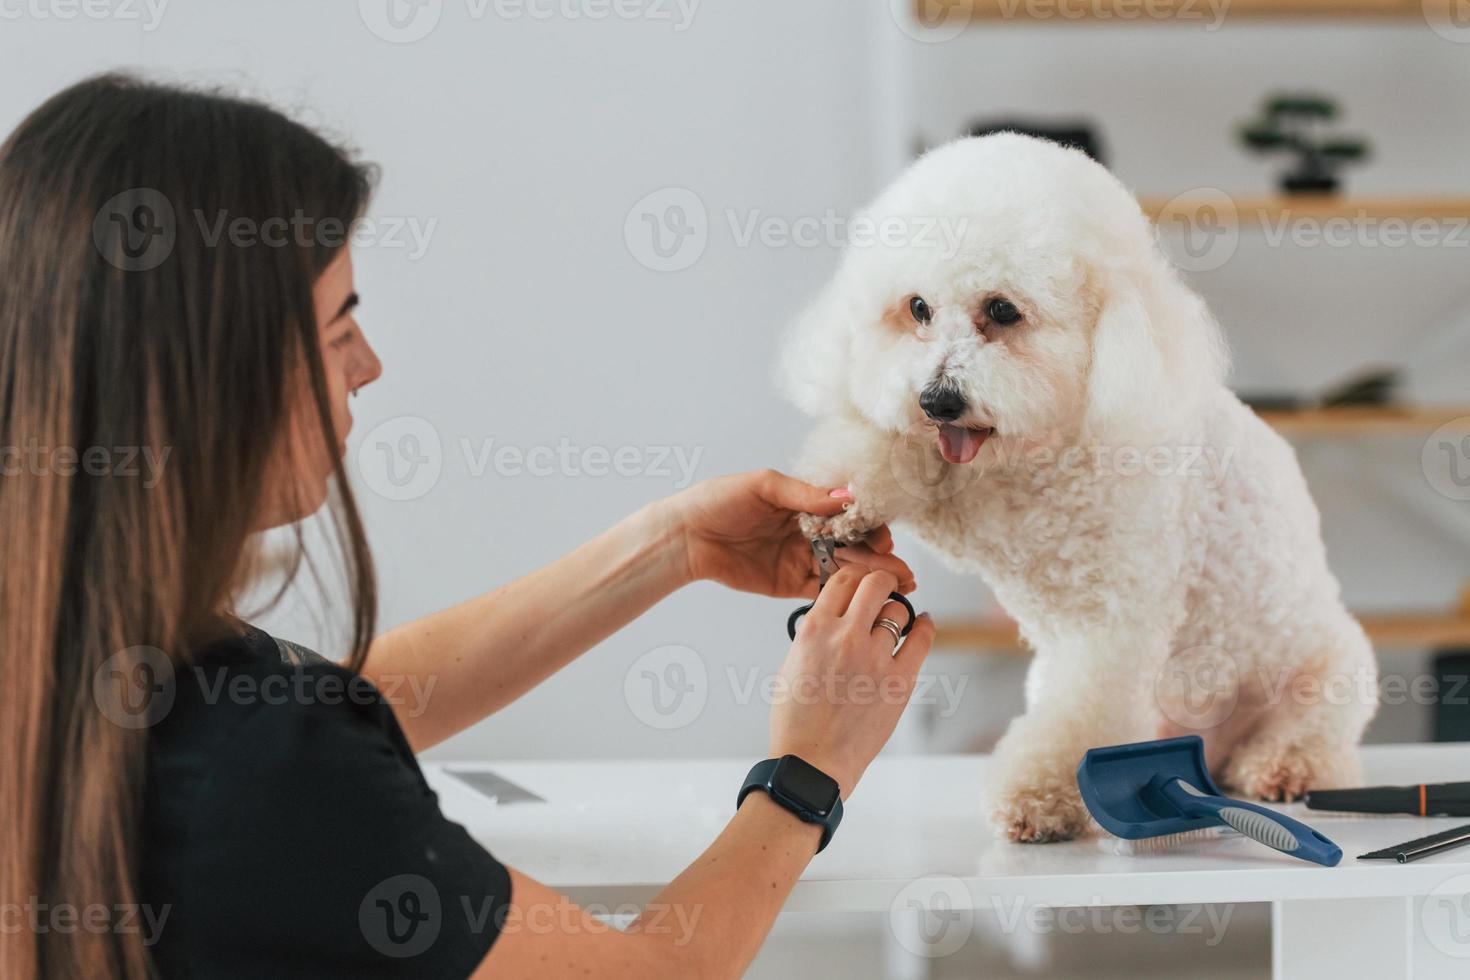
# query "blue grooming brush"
(1149, 789)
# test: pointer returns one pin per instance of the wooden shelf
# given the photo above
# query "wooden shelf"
(1367, 420)
(1271, 211)
(1388, 631)
(1182, 11)
(979, 637)
(1415, 631)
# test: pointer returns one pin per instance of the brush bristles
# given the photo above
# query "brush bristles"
(1168, 842)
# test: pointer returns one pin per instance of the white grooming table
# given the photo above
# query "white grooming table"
(913, 843)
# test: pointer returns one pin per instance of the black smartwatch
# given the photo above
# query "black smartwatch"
(800, 787)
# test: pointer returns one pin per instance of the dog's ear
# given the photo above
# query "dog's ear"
(812, 369)
(1155, 351)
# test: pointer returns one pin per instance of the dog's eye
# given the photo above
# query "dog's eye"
(920, 310)
(1003, 312)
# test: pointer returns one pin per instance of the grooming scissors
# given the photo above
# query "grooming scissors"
(825, 550)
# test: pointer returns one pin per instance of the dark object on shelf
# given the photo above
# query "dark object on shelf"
(1421, 847)
(1293, 124)
(1452, 707)
(1419, 800)
(1274, 401)
(1373, 386)
(1078, 135)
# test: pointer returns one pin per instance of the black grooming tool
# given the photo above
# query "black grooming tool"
(826, 551)
(1079, 135)
(1423, 847)
(1424, 800)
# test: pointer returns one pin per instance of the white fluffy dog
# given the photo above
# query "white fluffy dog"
(1008, 365)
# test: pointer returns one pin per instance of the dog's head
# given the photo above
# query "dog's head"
(1005, 287)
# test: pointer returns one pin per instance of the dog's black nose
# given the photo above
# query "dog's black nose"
(942, 403)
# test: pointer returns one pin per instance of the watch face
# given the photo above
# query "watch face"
(805, 785)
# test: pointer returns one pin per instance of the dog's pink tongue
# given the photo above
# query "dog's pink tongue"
(958, 444)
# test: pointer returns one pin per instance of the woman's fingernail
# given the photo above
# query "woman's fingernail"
(841, 493)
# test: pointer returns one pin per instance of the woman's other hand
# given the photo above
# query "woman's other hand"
(842, 687)
(742, 531)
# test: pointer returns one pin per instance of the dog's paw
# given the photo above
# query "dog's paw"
(1283, 772)
(849, 527)
(1050, 811)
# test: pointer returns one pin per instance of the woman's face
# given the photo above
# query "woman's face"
(302, 467)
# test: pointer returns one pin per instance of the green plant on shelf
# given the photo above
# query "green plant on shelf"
(1295, 125)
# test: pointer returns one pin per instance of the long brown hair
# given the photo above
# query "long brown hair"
(132, 321)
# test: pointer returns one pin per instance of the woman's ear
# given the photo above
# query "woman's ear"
(812, 367)
(1155, 352)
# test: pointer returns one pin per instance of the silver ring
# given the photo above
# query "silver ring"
(892, 627)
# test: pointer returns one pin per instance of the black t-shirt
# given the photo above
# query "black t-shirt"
(288, 831)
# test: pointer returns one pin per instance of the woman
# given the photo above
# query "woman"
(174, 278)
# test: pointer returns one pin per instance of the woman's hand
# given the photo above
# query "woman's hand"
(842, 688)
(742, 531)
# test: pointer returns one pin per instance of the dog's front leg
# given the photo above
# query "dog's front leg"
(1090, 689)
(852, 454)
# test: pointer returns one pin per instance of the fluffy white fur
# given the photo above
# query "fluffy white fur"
(1198, 559)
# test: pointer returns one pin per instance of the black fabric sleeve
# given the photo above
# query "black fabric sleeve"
(321, 852)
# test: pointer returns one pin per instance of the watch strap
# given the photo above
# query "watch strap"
(760, 777)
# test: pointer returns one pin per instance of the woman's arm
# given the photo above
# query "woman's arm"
(475, 658)
(711, 920)
(708, 923)
(484, 653)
